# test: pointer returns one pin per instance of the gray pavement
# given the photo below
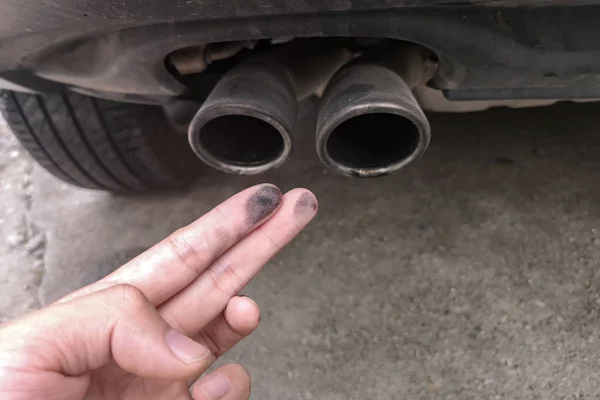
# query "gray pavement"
(471, 275)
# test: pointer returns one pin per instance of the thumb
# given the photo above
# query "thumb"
(116, 324)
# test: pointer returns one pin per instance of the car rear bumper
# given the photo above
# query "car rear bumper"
(507, 49)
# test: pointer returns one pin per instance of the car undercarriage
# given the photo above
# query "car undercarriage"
(226, 78)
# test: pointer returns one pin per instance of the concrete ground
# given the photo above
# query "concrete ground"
(471, 275)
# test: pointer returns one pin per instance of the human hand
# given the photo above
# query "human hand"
(150, 328)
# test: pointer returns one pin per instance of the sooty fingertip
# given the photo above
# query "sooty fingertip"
(306, 203)
(262, 203)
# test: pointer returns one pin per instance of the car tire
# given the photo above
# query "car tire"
(99, 144)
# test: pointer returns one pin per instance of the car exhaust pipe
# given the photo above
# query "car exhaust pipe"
(245, 125)
(369, 123)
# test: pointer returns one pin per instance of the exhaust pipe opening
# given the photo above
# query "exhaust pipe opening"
(369, 123)
(245, 125)
(372, 141)
(241, 140)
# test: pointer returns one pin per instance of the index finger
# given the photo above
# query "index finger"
(178, 260)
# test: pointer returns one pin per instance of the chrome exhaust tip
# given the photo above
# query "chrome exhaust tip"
(370, 123)
(245, 125)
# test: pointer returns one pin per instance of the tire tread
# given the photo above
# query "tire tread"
(100, 144)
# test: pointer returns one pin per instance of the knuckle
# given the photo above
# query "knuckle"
(174, 319)
(214, 344)
(129, 296)
(235, 231)
(185, 252)
(275, 246)
(225, 279)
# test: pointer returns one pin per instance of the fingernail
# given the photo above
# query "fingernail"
(215, 386)
(187, 350)
(262, 203)
(306, 205)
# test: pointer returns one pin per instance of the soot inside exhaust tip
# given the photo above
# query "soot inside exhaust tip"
(243, 140)
(373, 140)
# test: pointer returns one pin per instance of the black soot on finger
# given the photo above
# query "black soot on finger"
(262, 203)
(306, 203)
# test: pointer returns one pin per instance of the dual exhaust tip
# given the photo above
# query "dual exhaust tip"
(369, 122)
(244, 127)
